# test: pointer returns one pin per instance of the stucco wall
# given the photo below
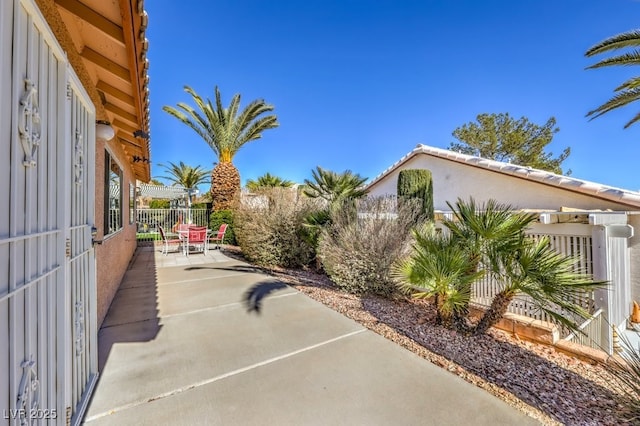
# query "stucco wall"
(116, 250)
(634, 254)
(452, 180)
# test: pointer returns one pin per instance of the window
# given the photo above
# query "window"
(112, 195)
(132, 203)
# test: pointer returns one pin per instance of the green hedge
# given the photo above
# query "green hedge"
(224, 216)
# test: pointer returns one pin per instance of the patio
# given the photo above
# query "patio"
(179, 346)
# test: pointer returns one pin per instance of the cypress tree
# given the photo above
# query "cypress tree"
(417, 183)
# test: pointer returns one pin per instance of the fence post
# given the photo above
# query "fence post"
(611, 262)
(601, 273)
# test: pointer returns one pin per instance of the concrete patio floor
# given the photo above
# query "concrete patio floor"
(180, 347)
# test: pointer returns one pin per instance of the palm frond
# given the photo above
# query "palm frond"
(626, 59)
(619, 41)
(621, 99)
(225, 130)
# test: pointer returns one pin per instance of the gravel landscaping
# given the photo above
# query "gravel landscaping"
(548, 385)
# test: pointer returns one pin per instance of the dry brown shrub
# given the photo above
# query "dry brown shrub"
(269, 228)
(358, 249)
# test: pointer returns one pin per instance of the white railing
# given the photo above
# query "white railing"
(148, 220)
(574, 240)
(590, 332)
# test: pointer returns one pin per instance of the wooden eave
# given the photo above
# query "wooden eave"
(110, 48)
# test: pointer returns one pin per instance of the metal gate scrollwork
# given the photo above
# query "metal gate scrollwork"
(28, 391)
(79, 323)
(79, 158)
(29, 123)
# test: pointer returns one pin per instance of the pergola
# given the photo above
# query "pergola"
(163, 192)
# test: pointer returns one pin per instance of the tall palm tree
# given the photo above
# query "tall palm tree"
(629, 91)
(332, 186)
(225, 130)
(268, 181)
(186, 176)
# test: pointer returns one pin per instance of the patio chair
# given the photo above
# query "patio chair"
(166, 242)
(217, 238)
(197, 238)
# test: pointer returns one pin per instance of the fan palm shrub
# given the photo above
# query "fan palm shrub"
(267, 181)
(335, 191)
(438, 270)
(491, 239)
(225, 130)
(332, 187)
(547, 277)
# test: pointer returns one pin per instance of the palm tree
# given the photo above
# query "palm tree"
(629, 91)
(225, 130)
(268, 181)
(332, 186)
(491, 238)
(186, 176)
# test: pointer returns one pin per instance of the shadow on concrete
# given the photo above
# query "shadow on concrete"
(509, 366)
(253, 297)
(234, 268)
(133, 315)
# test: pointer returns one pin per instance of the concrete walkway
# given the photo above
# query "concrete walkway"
(179, 347)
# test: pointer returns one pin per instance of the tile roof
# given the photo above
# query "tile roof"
(610, 193)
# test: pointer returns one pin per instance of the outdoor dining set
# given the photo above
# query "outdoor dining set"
(191, 238)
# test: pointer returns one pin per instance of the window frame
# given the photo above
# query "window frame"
(112, 215)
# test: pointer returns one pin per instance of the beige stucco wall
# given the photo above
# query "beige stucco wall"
(115, 252)
(452, 180)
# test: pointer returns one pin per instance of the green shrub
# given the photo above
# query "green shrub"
(159, 204)
(224, 216)
(417, 183)
(269, 228)
(358, 249)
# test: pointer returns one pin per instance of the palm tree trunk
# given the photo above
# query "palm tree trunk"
(496, 311)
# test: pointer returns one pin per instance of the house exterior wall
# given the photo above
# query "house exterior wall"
(116, 250)
(634, 254)
(452, 180)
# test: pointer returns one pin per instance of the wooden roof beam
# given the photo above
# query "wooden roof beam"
(124, 126)
(116, 93)
(93, 18)
(106, 63)
(131, 118)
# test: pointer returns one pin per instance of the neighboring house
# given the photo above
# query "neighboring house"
(74, 132)
(608, 217)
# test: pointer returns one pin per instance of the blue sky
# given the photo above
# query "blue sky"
(356, 84)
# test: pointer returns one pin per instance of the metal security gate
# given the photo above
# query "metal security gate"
(48, 353)
(79, 248)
